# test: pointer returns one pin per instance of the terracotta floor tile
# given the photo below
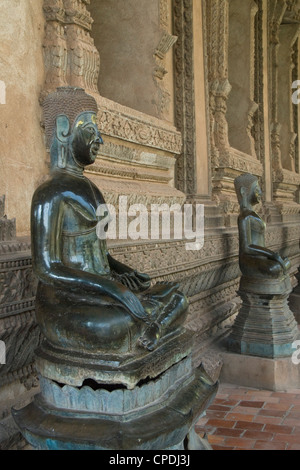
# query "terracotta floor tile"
(249, 419)
(252, 404)
(220, 408)
(259, 435)
(216, 414)
(240, 442)
(249, 425)
(272, 412)
(267, 419)
(236, 416)
(293, 447)
(290, 422)
(278, 428)
(289, 438)
(216, 447)
(220, 423)
(228, 432)
(246, 410)
(267, 445)
(278, 406)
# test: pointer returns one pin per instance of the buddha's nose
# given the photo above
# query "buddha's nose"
(99, 139)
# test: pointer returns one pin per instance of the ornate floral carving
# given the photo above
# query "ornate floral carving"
(131, 129)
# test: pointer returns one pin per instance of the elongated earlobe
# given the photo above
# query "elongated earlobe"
(62, 157)
(62, 134)
(62, 128)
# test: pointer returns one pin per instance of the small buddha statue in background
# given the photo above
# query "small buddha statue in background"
(256, 261)
(86, 300)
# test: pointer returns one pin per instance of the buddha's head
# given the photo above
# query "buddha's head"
(248, 190)
(72, 133)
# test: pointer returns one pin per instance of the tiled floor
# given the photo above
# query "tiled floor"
(243, 419)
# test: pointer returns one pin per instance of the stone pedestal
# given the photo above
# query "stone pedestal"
(280, 374)
(259, 350)
(265, 326)
(151, 402)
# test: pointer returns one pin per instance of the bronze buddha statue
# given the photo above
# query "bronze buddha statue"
(86, 300)
(256, 261)
(115, 367)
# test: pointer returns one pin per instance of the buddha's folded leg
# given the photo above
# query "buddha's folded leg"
(260, 267)
(77, 323)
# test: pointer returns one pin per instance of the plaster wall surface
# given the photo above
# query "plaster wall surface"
(126, 36)
(22, 149)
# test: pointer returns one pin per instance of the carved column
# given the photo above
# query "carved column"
(288, 34)
(284, 32)
(241, 104)
(70, 55)
(184, 95)
(276, 11)
(228, 159)
(219, 86)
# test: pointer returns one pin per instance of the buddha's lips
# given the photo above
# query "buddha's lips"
(95, 148)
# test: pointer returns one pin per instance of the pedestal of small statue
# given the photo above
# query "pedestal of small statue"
(113, 403)
(265, 326)
(259, 349)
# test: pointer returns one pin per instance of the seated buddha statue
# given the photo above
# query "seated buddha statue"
(86, 300)
(256, 261)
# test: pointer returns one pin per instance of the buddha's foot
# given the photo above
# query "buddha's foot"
(150, 338)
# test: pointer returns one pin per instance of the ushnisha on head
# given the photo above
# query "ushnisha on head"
(72, 134)
(248, 190)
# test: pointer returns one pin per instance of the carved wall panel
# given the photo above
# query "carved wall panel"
(18, 329)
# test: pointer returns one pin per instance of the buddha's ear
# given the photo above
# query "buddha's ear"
(243, 191)
(62, 128)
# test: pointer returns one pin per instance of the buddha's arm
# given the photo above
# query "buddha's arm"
(247, 247)
(131, 278)
(47, 262)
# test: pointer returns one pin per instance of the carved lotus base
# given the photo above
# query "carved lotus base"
(72, 368)
(265, 325)
(158, 414)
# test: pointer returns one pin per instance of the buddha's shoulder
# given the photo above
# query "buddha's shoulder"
(54, 187)
(249, 215)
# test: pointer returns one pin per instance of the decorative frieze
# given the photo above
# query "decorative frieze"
(116, 121)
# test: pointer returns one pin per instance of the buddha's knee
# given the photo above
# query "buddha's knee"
(275, 270)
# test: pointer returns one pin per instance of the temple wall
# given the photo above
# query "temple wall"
(22, 150)
(191, 94)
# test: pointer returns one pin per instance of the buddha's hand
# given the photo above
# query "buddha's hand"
(285, 262)
(135, 281)
(133, 305)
